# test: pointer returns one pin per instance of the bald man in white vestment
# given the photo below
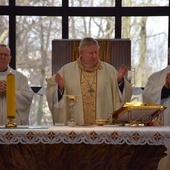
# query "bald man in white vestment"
(24, 93)
(157, 90)
(100, 88)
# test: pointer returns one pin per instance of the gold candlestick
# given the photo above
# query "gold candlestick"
(11, 123)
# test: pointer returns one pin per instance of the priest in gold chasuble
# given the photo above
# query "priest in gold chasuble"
(99, 87)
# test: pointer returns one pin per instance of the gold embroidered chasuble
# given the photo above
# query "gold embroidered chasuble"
(104, 93)
(88, 87)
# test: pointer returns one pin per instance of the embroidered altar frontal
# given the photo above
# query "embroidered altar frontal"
(82, 147)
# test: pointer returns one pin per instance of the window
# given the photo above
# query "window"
(91, 3)
(4, 29)
(33, 46)
(145, 3)
(148, 45)
(4, 2)
(39, 3)
(102, 27)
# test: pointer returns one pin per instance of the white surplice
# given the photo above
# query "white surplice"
(152, 93)
(24, 96)
(108, 96)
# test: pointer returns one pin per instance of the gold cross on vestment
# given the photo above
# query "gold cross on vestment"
(90, 90)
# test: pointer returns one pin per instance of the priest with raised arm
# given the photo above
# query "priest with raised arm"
(99, 87)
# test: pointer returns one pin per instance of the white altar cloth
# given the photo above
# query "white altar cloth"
(86, 134)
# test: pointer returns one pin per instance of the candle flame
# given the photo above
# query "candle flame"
(10, 72)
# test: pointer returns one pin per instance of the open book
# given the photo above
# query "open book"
(136, 113)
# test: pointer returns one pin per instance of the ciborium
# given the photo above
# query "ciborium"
(71, 102)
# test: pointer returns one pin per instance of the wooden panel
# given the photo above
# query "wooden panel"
(80, 156)
(113, 51)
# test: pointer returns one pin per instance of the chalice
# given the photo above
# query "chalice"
(71, 101)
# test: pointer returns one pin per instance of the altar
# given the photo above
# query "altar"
(82, 147)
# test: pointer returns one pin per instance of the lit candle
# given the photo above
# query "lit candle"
(10, 96)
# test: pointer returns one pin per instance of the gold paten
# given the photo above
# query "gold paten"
(101, 122)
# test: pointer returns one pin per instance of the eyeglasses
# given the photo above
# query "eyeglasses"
(4, 54)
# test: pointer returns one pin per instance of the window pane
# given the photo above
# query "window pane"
(34, 35)
(4, 29)
(141, 3)
(34, 46)
(149, 46)
(4, 2)
(39, 3)
(97, 27)
(92, 3)
(39, 112)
